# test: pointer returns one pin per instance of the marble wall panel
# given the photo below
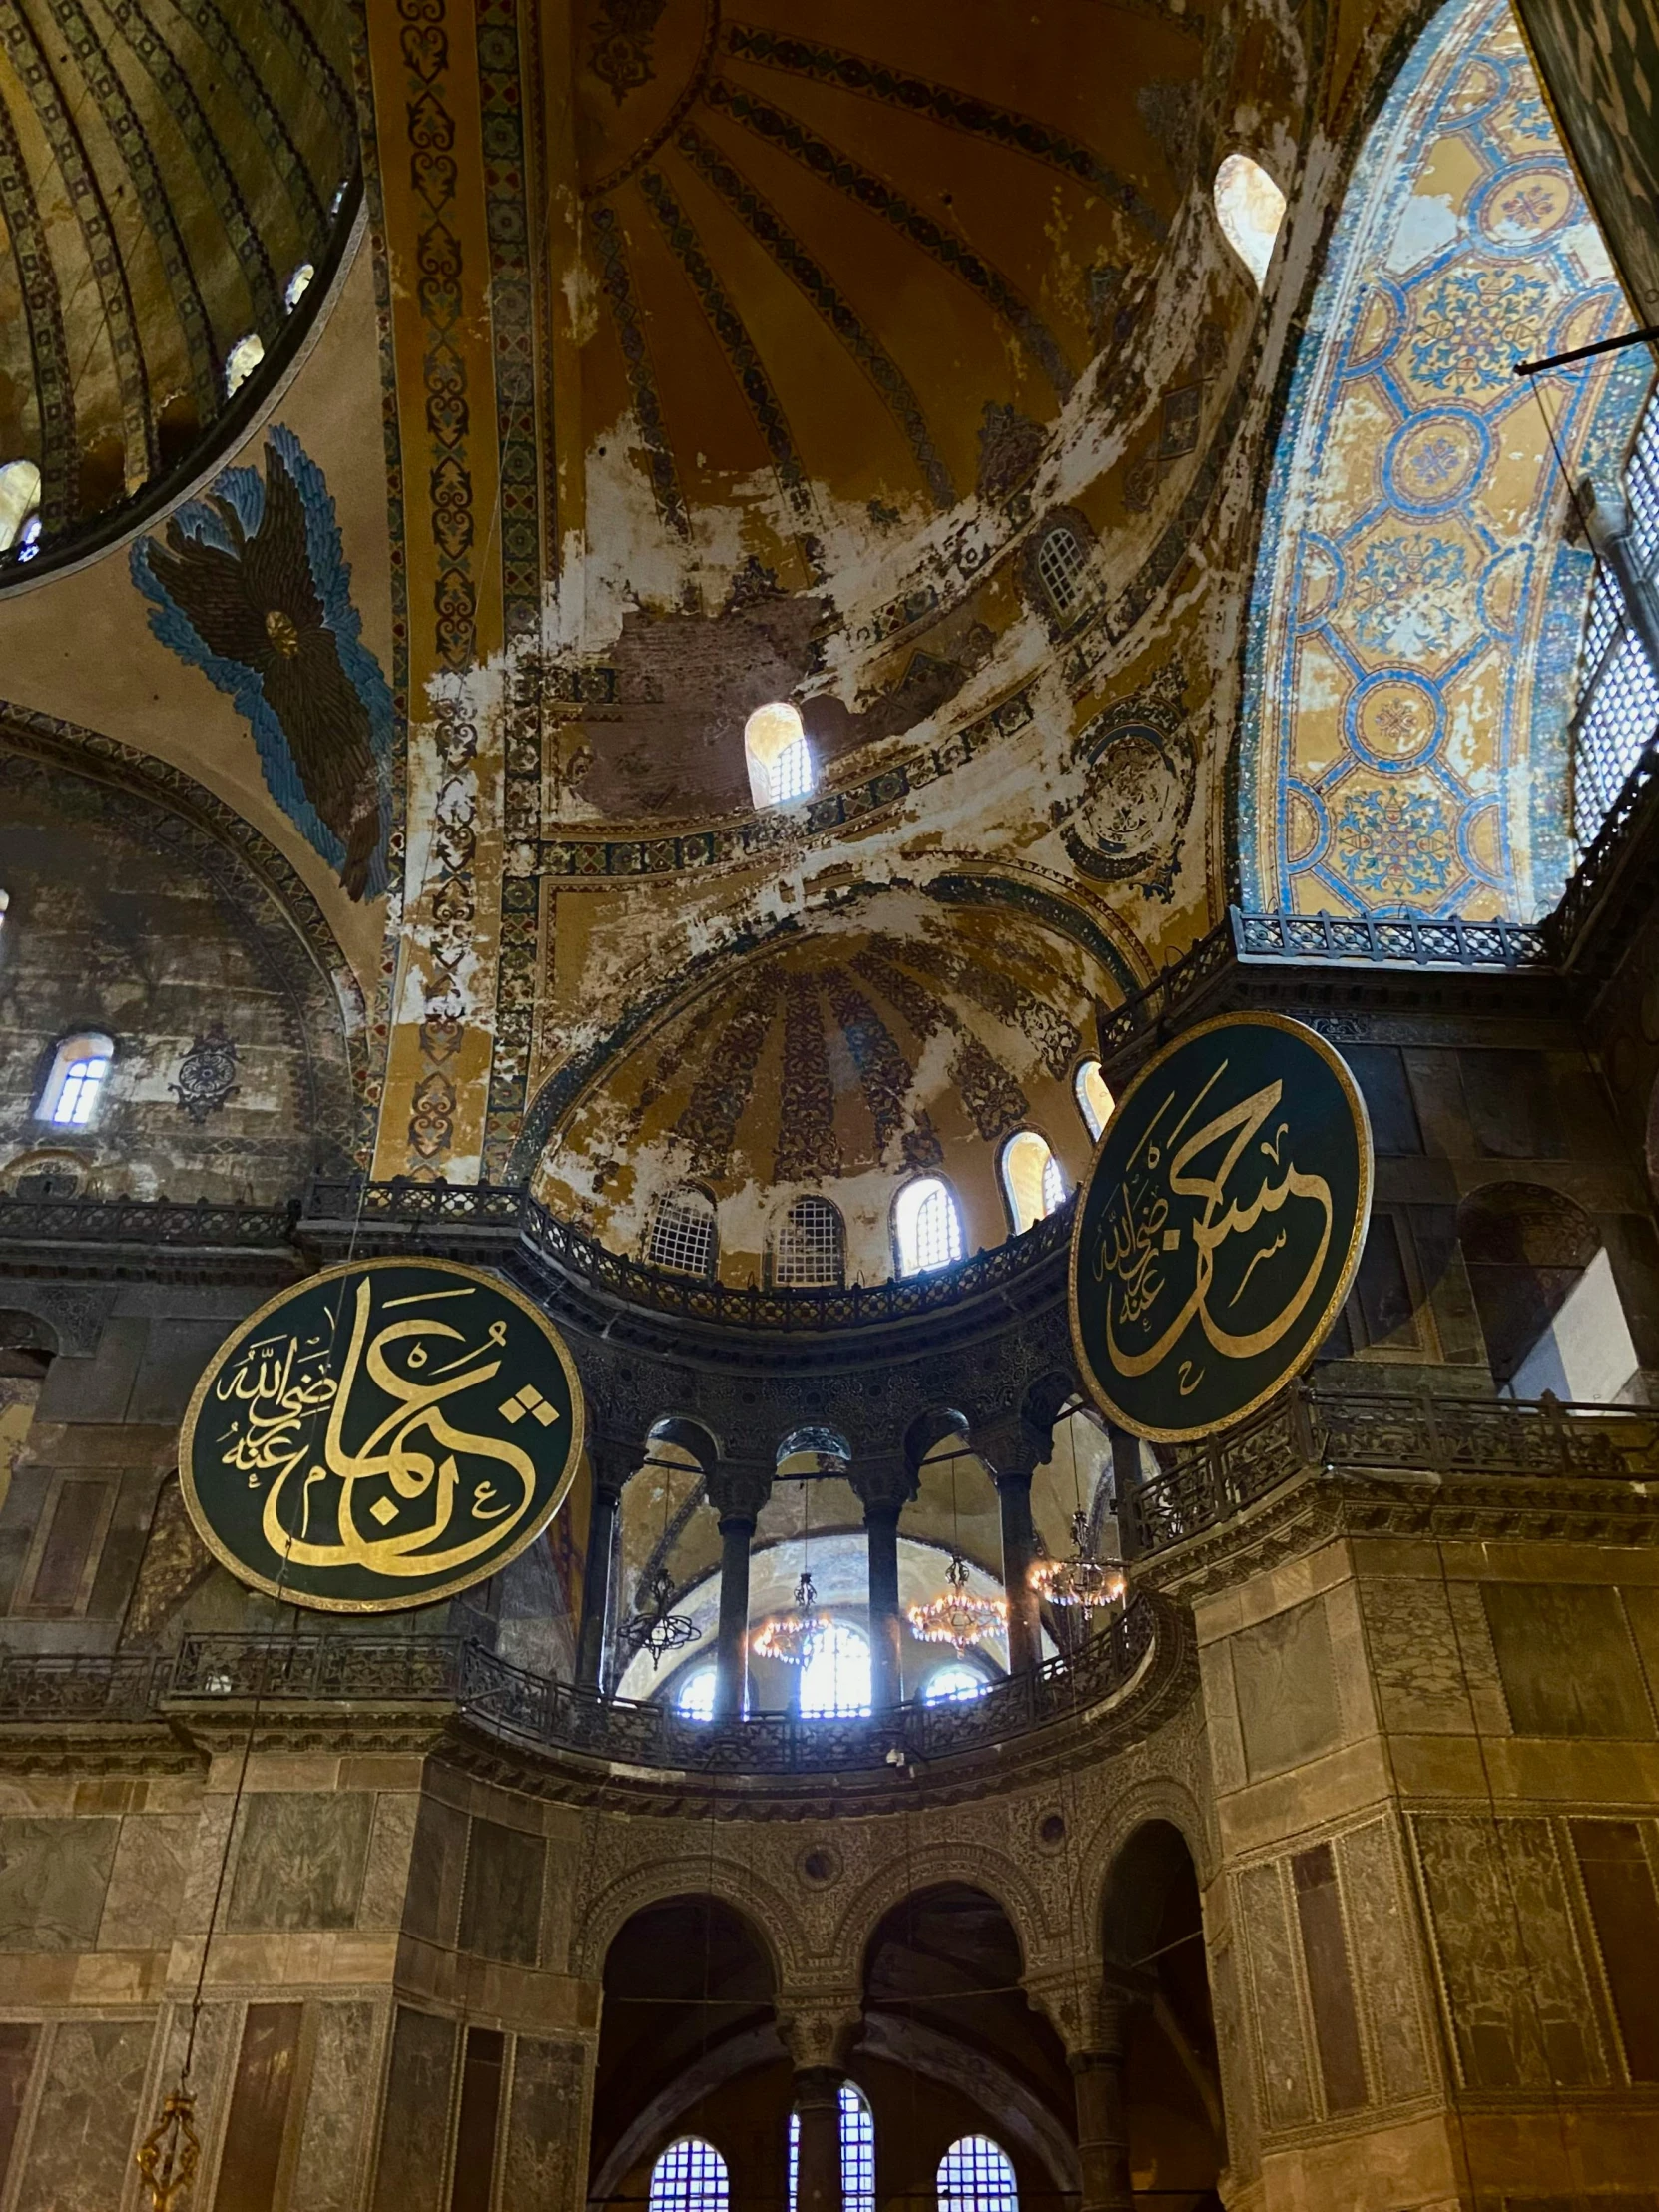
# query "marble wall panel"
(501, 1900)
(301, 1859)
(146, 1882)
(1286, 1689)
(1513, 1979)
(19, 2041)
(437, 1862)
(53, 1879)
(546, 2157)
(387, 1879)
(338, 2104)
(1384, 1939)
(1319, 1911)
(82, 2138)
(414, 2124)
(1414, 1656)
(250, 2163)
(1617, 1873)
(1287, 2083)
(1567, 1659)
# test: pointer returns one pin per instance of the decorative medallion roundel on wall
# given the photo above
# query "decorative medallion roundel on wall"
(1221, 1225)
(383, 1435)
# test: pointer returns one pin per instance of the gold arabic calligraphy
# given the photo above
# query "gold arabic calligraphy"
(1142, 1227)
(285, 1388)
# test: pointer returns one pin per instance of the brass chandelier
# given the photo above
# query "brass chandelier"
(957, 1617)
(790, 1636)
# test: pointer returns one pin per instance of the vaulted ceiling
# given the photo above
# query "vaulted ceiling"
(166, 166)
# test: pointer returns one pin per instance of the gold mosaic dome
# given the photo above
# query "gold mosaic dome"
(170, 195)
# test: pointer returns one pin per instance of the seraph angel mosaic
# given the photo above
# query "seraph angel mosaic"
(251, 586)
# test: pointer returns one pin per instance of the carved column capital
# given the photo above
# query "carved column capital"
(818, 2026)
(611, 1460)
(883, 1483)
(739, 1488)
(1090, 2012)
(1011, 1447)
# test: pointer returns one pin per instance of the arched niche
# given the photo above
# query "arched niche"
(944, 2001)
(689, 2011)
(1152, 1947)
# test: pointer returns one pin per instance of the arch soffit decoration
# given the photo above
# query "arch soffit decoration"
(763, 1910)
(1161, 1799)
(293, 938)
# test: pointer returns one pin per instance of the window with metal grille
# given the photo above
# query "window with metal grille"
(928, 1225)
(955, 1680)
(1031, 1179)
(694, 1697)
(857, 2153)
(683, 1232)
(810, 1247)
(1094, 1100)
(977, 2175)
(1618, 688)
(80, 1066)
(690, 2176)
(1061, 563)
(835, 1682)
(779, 758)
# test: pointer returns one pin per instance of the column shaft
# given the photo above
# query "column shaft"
(886, 1632)
(818, 2180)
(731, 1647)
(1102, 2133)
(596, 1587)
(1018, 1548)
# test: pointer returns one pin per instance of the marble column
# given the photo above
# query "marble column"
(610, 1464)
(818, 2174)
(737, 1491)
(885, 1488)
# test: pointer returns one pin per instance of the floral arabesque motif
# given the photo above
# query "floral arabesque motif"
(1401, 593)
(1473, 328)
(1398, 846)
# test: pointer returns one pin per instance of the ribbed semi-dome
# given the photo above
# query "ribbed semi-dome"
(168, 172)
(859, 265)
(913, 1035)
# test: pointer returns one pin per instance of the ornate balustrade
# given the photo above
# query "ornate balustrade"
(126, 1688)
(147, 1221)
(452, 1671)
(1386, 1434)
(506, 1214)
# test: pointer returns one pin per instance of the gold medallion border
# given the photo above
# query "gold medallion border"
(210, 1374)
(1350, 1264)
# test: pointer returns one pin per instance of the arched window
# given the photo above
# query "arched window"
(297, 285)
(1618, 685)
(1094, 1100)
(693, 1700)
(1031, 1179)
(835, 1682)
(928, 1225)
(779, 758)
(19, 501)
(857, 2153)
(683, 1232)
(69, 1096)
(948, 1684)
(977, 2175)
(1250, 209)
(241, 360)
(690, 2176)
(1061, 560)
(810, 1247)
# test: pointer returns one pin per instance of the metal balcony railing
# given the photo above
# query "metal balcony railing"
(450, 1671)
(1385, 1433)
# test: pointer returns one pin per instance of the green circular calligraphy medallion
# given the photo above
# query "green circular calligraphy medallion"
(381, 1436)
(1221, 1225)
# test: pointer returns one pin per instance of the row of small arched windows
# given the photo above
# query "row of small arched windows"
(974, 2175)
(808, 1248)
